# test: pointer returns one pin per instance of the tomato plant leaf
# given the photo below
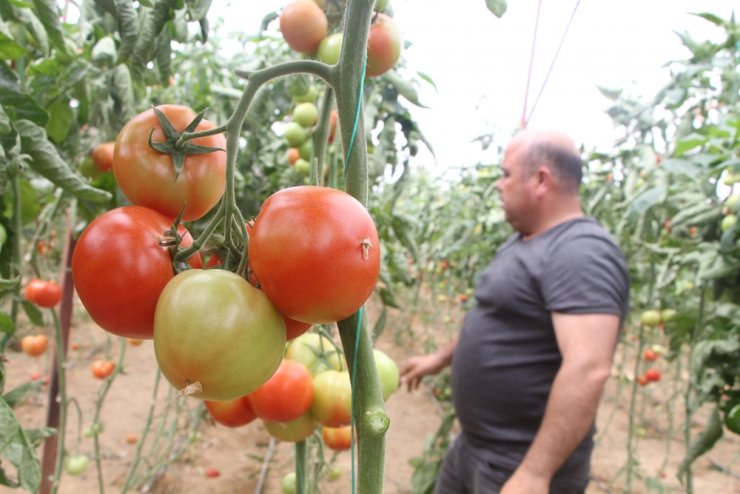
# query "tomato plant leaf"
(61, 117)
(497, 7)
(9, 49)
(49, 16)
(197, 9)
(164, 56)
(404, 88)
(18, 450)
(6, 323)
(647, 200)
(702, 443)
(34, 313)
(16, 104)
(15, 395)
(154, 20)
(47, 162)
(128, 28)
(123, 90)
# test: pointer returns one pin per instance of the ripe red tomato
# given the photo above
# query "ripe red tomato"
(642, 380)
(337, 438)
(650, 355)
(652, 374)
(293, 431)
(315, 252)
(43, 293)
(213, 328)
(148, 178)
(295, 328)
(286, 395)
(119, 269)
(303, 25)
(102, 156)
(102, 368)
(212, 472)
(383, 46)
(231, 413)
(332, 398)
(35, 345)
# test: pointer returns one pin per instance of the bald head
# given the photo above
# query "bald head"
(554, 150)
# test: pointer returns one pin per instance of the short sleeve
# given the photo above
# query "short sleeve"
(586, 274)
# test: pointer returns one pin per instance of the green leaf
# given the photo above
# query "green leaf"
(404, 88)
(47, 162)
(16, 395)
(16, 104)
(714, 19)
(34, 313)
(198, 9)
(9, 49)
(704, 442)
(61, 117)
(5, 127)
(30, 204)
(688, 143)
(146, 42)
(104, 52)
(128, 28)
(497, 7)
(18, 450)
(611, 94)
(123, 91)
(49, 16)
(682, 167)
(647, 199)
(6, 323)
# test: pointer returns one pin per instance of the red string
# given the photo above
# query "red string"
(523, 121)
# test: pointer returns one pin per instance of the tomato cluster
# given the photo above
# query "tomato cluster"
(310, 389)
(304, 26)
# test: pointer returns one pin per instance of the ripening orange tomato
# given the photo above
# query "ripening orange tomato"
(101, 369)
(35, 345)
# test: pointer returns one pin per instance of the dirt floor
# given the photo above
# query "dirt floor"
(241, 454)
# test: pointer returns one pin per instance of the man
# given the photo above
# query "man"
(532, 358)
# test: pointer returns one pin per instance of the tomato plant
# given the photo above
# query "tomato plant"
(216, 332)
(231, 413)
(383, 46)
(120, 267)
(337, 438)
(332, 400)
(102, 369)
(286, 395)
(35, 345)
(303, 25)
(43, 293)
(315, 252)
(152, 178)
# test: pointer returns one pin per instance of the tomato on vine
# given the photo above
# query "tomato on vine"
(35, 345)
(303, 25)
(292, 431)
(193, 177)
(101, 369)
(102, 156)
(332, 400)
(43, 293)
(337, 438)
(216, 337)
(315, 252)
(120, 266)
(231, 413)
(383, 46)
(286, 395)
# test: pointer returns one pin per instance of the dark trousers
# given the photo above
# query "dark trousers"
(470, 470)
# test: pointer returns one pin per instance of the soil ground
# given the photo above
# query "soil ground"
(239, 454)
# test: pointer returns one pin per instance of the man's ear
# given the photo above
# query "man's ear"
(544, 179)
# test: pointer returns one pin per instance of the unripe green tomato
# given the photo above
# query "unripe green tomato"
(733, 202)
(288, 483)
(305, 150)
(667, 314)
(330, 49)
(728, 222)
(303, 166)
(89, 170)
(295, 134)
(650, 318)
(381, 5)
(732, 419)
(388, 373)
(730, 178)
(305, 114)
(307, 97)
(76, 464)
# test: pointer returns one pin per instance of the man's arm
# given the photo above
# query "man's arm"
(587, 344)
(423, 365)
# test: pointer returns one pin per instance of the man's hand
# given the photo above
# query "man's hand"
(524, 483)
(417, 367)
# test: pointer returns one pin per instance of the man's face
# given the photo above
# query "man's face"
(516, 188)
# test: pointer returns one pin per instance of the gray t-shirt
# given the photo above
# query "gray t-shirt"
(507, 355)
